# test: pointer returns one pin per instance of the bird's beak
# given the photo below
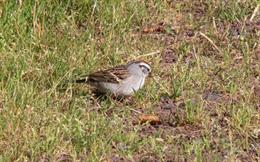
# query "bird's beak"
(150, 75)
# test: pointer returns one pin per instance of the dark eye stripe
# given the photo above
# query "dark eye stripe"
(144, 67)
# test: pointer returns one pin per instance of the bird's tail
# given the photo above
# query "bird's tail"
(81, 80)
(65, 83)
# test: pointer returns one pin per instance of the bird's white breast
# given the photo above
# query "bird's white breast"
(126, 87)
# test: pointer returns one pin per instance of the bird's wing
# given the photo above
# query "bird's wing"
(113, 75)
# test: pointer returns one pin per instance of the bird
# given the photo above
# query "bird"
(122, 80)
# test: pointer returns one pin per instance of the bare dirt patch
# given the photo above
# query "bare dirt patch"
(117, 158)
(64, 158)
(168, 56)
(172, 116)
(162, 32)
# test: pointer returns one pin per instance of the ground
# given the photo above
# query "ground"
(202, 103)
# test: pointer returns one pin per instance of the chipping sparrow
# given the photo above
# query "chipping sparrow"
(122, 80)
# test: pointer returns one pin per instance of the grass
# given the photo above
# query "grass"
(213, 81)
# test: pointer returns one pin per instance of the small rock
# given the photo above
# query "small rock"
(152, 119)
(235, 29)
(190, 33)
(64, 158)
(167, 103)
(168, 56)
(211, 96)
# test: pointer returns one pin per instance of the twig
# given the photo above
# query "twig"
(210, 41)
(136, 111)
(214, 23)
(148, 54)
(94, 8)
(255, 11)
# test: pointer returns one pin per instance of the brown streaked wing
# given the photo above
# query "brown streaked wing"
(113, 75)
(120, 71)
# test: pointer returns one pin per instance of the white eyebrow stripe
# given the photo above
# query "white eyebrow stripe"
(145, 65)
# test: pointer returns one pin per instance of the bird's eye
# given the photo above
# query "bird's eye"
(145, 69)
